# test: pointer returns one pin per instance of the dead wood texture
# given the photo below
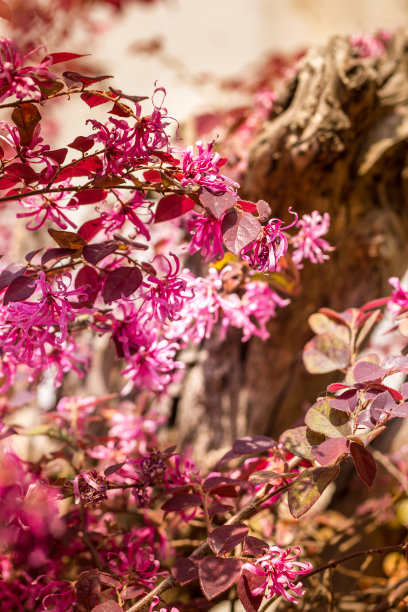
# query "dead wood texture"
(336, 142)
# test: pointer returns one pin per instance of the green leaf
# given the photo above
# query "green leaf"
(308, 487)
(326, 353)
(324, 419)
(300, 440)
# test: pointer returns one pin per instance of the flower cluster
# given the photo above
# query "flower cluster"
(308, 242)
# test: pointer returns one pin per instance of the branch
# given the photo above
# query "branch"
(361, 553)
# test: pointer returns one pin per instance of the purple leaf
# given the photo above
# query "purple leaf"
(58, 155)
(238, 230)
(12, 271)
(367, 371)
(217, 205)
(85, 80)
(346, 401)
(113, 468)
(330, 450)
(172, 206)
(225, 538)
(94, 253)
(184, 571)
(20, 289)
(229, 456)
(89, 196)
(218, 509)
(121, 282)
(252, 444)
(214, 482)
(364, 462)
(217, 574)
(88, 590)
(56, 253)
(254, 546)
(181, 502)
(248, 582)
(400, 411)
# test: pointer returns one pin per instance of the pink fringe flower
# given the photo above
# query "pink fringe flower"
(264, 252)
(279, 569)
(308, 244)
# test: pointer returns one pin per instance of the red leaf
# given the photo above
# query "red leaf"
(85, 80)
(90, 228)
(10, 273)
(217, 574)
(248, 582)
(252, 444)
(248, 206)
(96, 252)
(26, 117)
(330, 450)
(152, 176)
(225, 538)
(239, 229)
(7, 181)
(108, 606)
(19, 290)
(120, 110)
(121, 283)
(364, 462)
(336, 387)
(58, 58)
(172, 206)
(58, 155)
(166, 157)
(90, 196)
(82, 143)
(88, 278)
(88, 590)
(83, 167)
(22, 171)
(94, 98)
(217, 205)
(184, 571)
(181, 502)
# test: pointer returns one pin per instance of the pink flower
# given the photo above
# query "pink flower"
(165, 295)
(127, 209)
(370, 46)
(17, 79)
(203, 169)
(263, 254)
(207, 236)
(48, 208)
(279, 569)
(399, 297)
(308, 243)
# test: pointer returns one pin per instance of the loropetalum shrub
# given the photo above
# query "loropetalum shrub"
(109, 518)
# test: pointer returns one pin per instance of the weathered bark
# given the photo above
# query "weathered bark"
(336, 143)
